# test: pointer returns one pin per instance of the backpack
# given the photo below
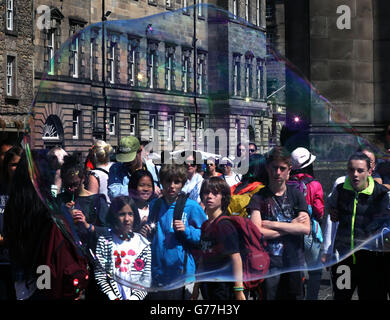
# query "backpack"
(177, 215)
(301, 185)
(255, 259)
(239, 202)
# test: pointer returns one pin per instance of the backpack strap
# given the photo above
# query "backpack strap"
(177, 215)
(155, 210)
(179, 207)
(101, 169)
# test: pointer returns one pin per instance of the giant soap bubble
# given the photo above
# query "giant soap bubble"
(150, 69)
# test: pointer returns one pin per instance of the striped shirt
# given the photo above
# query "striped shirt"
(124, 267)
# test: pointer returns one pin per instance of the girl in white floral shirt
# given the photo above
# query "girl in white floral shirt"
(123, 257)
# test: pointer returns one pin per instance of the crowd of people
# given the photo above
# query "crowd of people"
(118, 226)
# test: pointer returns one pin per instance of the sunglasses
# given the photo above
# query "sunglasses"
(252, 150)
(210, 164)
(190, 164)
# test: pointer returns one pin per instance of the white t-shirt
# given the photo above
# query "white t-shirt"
(193, 187)
(103, 179)
(233, 179)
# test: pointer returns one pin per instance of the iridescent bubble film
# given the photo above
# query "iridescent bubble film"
(150, 65)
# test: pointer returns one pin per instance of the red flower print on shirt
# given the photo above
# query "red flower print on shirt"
(118, 261)
(123, 253)
(139, 264)
(131, 252)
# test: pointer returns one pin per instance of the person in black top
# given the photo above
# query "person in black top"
(281, 214)
(219, 246)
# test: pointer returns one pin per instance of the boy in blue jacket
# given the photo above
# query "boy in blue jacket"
(173, 265)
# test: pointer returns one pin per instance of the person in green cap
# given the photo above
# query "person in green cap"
(129, 160)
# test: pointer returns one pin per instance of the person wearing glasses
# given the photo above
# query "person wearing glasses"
(211, 169)
(252, 148)
(194, 179)
(241, 162)
(232, 178)
(129, 160)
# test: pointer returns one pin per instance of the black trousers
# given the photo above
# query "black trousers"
(369, 275)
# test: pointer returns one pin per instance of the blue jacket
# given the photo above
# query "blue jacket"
(168, 252)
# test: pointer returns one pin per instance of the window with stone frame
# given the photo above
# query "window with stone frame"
(52, 41)
(201, 8)
(185, 7)
(76, 49)
(10, 24)
(152, 65)
(187, 128)
(93, 55)
(113, 58)
(258, 13)
(153, 125)
(260, 78)
(236, 74)
(186, 70)
(112, 125)
(170, 127)
(76, 124)
(169, 4)
(133, 61)
(247, 10)
(134, 123)
(201, 129)
(152, 2)
(201, 72)
(248, 75)
(235, 9)
(11, 76)
(170, 67)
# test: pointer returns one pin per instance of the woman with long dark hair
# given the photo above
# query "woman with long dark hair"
(36, 235)
(88, 210)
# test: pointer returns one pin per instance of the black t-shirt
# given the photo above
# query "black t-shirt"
(283, 208)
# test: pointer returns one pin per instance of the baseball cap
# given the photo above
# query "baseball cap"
(128, 148)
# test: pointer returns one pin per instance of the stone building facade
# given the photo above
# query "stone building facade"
(16, 67)
(341, 49)
(151, 80)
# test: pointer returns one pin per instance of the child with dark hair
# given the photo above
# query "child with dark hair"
(88, 210)
(220, 246)
(123, 254)
(173, 264)
(141, 191)
(280, 212)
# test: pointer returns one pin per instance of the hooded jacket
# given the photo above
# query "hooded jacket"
(168, 252)
(356, 212)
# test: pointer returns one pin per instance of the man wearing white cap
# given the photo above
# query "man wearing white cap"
(129, 160)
